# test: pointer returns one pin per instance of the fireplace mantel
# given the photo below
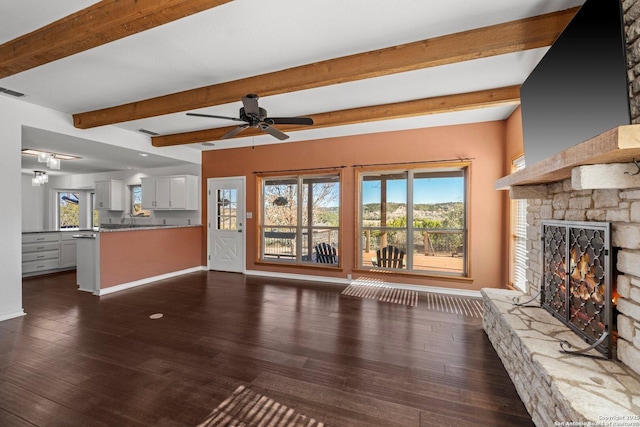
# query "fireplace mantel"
(618, 145)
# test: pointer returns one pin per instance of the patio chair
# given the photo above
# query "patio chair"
(390, 257)
(326, 254)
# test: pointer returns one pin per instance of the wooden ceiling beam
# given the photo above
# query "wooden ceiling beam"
(93, 26)
(420, 107)
(515, 36)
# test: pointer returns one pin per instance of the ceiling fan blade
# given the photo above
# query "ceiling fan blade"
(234, 131)
(250, 103)
(273, 131)
(290, 120)
(214, 116)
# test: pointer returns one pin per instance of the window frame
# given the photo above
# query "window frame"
(59, 195)
(518, 233)
(412, 169)
(300, 227)
(146, 212)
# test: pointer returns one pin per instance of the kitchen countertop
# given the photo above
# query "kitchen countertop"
(121, 227)
(59, 231)
(117, 228)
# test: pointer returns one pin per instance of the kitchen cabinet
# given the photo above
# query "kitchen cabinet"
(110, 195)
(47, 252)
(40, 252)
(68, 252)
(170, 192)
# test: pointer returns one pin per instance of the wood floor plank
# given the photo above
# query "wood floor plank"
(78, 359)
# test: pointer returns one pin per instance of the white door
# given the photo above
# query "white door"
(226, 224)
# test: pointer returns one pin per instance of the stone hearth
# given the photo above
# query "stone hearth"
(558, 387)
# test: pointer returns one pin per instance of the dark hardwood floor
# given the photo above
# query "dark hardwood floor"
(81, 360)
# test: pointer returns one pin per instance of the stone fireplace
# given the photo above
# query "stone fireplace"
(596, 181)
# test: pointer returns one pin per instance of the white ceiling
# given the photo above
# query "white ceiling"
(250, 37)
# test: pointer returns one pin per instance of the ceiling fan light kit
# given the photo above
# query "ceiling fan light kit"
(253, 116)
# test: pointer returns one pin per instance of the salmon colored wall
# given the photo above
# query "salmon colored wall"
(514, 148)
(515, 139)
(484, 142)
(134, 255)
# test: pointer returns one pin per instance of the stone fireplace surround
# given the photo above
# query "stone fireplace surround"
(586, 182)
(558, 387)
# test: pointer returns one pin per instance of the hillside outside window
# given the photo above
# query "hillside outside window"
(422, 212)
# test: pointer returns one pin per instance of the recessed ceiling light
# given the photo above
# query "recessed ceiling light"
(143, 154)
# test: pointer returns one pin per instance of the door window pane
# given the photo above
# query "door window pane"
(227, 209)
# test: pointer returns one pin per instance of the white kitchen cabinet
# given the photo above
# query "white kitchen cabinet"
(110, 195)
(68, 251)
(40, 252)
(170, 192)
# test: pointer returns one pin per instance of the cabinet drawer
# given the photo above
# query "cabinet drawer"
(33, 266)
(40, 237)
(39, 256)
(38, 247)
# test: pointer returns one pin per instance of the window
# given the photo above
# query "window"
(95, 213)
(227, 207)
(68, 210)
(519, 237)
(136, 202)
(300, 217)
(420, 211)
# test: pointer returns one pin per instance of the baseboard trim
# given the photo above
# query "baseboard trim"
(13, 315)
(136, 283)
(325, 279)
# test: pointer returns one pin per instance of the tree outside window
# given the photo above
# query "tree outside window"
(298, 214)
(68, 210)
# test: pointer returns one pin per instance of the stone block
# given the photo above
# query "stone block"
(630, 194)
(528, 192)
(629, 308)
(634, 215)
(624, 286)
(618, 215)
(605, 176)
(629, 262)
(626, 235)
(561, 201)
(581, 202)
(626, 328)
(559, 214)
(606, 198)
(635, 295)
(546, 212)
(575, 215)
(629, 355)
(596, 215)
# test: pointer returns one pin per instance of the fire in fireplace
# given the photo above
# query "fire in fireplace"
(577, 285)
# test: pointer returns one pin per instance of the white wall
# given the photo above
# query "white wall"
(34, 205)
(13, 115)
(10, 212)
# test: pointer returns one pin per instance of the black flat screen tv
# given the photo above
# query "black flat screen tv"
(579, 89)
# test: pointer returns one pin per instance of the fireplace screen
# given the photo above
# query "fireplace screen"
(577, 278)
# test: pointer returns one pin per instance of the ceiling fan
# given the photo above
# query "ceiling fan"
(256, 117)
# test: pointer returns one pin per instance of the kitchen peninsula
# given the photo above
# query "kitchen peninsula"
(133, 256)
(126, 256)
